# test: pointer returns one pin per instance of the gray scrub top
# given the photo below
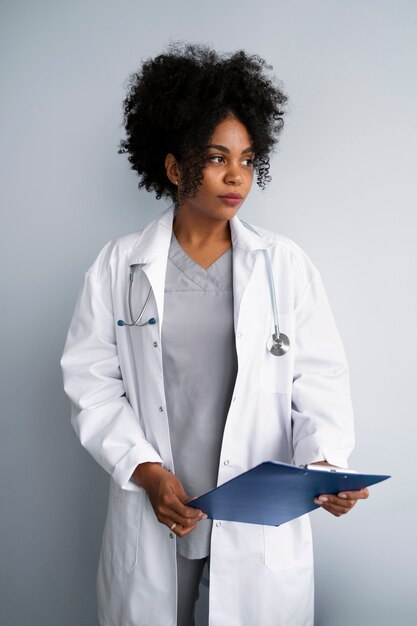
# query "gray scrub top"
(199, 366)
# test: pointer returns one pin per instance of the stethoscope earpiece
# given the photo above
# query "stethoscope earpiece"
(150, 321)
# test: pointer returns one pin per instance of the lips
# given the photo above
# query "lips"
(232, 199)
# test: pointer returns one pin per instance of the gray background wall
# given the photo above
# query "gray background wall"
(343, 187)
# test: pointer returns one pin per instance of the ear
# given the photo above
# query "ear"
(172, 169)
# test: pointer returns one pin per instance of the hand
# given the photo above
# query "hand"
(168, 498)
(341, 503)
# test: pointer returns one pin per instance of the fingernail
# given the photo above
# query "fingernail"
(342, 495)
(317, 501)
(323, 499)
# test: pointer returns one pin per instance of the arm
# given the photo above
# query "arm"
(322, 415)
(321, 411)
(103, 418)
(100, 413)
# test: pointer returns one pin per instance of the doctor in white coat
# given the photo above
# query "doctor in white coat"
(295, 408)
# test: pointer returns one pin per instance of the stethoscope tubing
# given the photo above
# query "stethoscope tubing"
(271, 281)
(152, 320)
(136, 322)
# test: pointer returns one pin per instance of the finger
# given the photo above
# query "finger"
(335, 505)
(335, 499)
(360, 494)
(181, 531)
(188, 513)
(336, 510)
(172, 501)
(202, 514)
(172, 510)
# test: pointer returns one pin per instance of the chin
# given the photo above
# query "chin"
(222, 215)
(229, 211)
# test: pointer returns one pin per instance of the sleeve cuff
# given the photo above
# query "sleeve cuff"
(124, 469)
(309, 451)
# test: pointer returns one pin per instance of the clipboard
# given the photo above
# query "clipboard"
(273, 493)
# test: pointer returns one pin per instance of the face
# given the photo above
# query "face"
(228, 172)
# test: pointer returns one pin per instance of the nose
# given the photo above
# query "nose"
(233, 174)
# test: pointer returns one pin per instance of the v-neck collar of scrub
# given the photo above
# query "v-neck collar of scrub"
(183, 260)
(186, 264)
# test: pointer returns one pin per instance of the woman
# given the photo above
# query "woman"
(189, 396)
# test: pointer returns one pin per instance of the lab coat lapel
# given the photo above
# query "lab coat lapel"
(246, 246)
(151, 253)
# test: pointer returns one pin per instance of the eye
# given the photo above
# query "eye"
(215, 156)
(250, 161)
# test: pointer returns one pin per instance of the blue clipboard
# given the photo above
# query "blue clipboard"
(273, 493)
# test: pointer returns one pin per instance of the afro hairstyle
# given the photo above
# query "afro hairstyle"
(176, 100)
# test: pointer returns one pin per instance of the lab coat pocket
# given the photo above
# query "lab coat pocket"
(275, 372)
(121, 530)
(288, 545)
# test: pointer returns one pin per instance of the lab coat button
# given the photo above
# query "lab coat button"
(238, 335)
(218, 524)
(171, 535)
(161, 408)
(155, 344)
(234, 398)
(226, 462)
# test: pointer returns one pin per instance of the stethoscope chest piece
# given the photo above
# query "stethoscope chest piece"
(278, 345)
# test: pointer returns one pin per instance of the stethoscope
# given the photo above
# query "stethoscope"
(151, 320)
(278, 344)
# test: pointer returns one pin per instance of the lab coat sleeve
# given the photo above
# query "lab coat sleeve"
(322, 417)
(101, 415)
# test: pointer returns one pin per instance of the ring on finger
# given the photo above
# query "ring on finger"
(173, 525)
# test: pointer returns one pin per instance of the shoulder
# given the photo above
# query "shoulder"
(280, 241)
(114, 253)
(286, 252)
(117, 252)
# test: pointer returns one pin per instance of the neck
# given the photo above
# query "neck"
(196, 230)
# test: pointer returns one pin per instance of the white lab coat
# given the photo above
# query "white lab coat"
(293, 408)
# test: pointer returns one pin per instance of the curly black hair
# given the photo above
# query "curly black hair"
(177, 99)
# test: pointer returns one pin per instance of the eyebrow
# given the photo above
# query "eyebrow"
(224, 149)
